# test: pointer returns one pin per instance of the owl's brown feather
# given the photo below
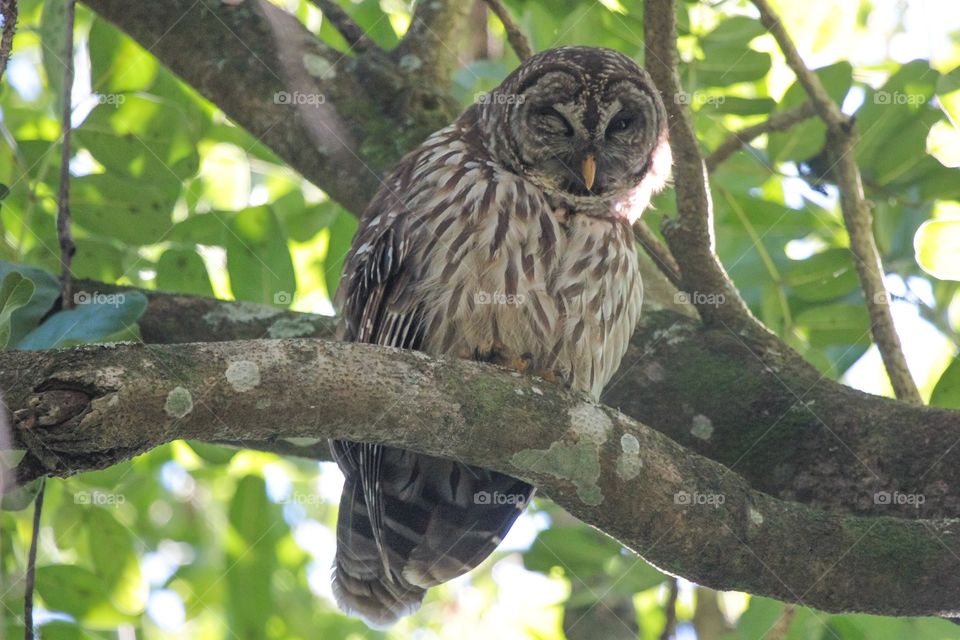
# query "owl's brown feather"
(469, 249)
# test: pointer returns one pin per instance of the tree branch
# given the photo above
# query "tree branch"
(356, 37)
(763, 412)
(690, 235)
(517, 39)
(841, 144)
(777, 122)
(94, 406)
(9, 11)
(431, 46)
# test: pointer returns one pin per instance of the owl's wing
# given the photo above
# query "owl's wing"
(377, 308)
(407, 521)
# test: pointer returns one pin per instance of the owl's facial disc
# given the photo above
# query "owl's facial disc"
(583, 138)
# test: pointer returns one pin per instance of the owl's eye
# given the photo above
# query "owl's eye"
(549, 119)
(620, 123)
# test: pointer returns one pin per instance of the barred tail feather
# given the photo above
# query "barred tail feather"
(413, 522)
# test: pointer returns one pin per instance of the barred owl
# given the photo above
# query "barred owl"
(505, 237)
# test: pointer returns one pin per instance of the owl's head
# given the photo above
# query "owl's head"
(584, 124)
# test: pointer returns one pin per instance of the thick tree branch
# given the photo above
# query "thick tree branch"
(431, 46)
(93, 406)
(841, 144)
(690, 235)
(738, 139)
(765, 413)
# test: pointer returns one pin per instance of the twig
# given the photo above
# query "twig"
(8, 9)
(353, 33)
(690, 235)
(517, 39)
(67, 246)
(780, 628)
(30, 579)
(777, 122)
(670, 626)
(660, 253)
(841, 143)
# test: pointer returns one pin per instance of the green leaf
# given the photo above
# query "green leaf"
(116, 207)
(21, 497)
(937, 248)
(824, 276)
(183, 271)
(806, 139)
(15, 292)
(117, 63)
(78, 592)
(113, 557)
(146, 138)
(53, 36)
(727, 57)
(46, 291)
(212, 453)
(258, 259)
(836, 324)
(96, 317)
(947, 392)
(341, 236)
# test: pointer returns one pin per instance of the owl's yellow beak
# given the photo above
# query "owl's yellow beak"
(589, 170)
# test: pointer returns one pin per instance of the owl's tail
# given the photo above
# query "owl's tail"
(408, 522)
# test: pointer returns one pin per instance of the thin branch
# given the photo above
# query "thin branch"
(690, 235)
(67, 246)
(777, 122)
(8, 11)
(517, 39)
(93, 406)
(30, 578)
(841, 146)
(353, 33)
(660, 253)
(670, 626)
